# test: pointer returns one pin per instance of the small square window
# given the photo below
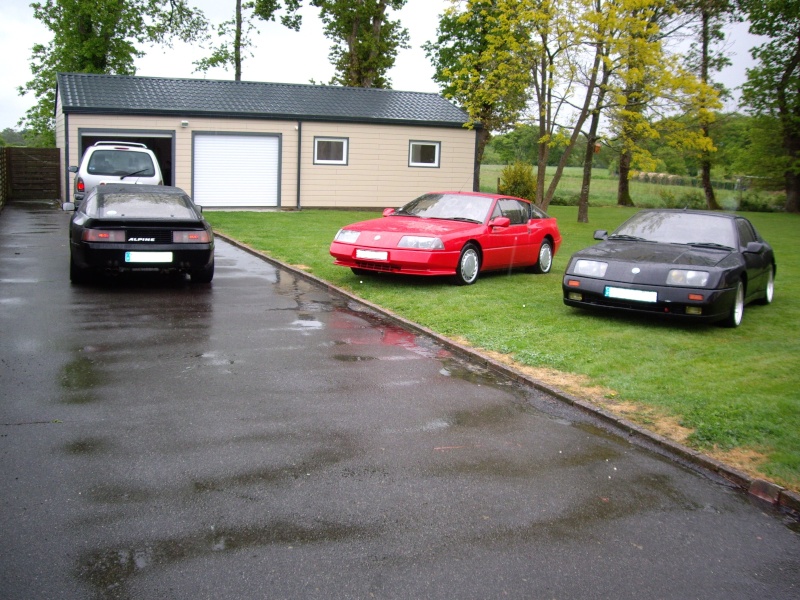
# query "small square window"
(330, 151)
(423, 154)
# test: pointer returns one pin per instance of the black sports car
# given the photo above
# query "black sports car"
(696, 265)
(123, 227)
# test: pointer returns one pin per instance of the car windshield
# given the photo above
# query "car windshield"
(120, 162)
(678, 228)
(448, 206)
(138, 205)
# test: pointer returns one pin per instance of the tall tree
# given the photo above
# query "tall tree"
(773, 85)
(365, 40)
(706, 58)
(653, 84)
(99, 36)
(493, 96)
(234, 34)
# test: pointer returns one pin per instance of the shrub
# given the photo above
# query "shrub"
(518, 180)
(693, 199)
(755, 202)
(571, 200)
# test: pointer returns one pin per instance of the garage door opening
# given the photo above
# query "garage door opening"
(162, 147)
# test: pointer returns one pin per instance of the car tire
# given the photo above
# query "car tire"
(545, 262)
(204, 275)
(734, 318)
(78, 275)
(469, 265)
(769, 290)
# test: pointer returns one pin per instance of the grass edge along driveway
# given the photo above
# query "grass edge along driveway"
(733, 394)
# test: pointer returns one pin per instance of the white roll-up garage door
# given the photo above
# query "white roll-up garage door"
(234, 170)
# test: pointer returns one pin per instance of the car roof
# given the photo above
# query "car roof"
(689, 211)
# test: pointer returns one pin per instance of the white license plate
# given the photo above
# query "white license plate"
(372, 255)
(625, 294)
(148, 257)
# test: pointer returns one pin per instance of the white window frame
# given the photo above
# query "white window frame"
(345, 150)
(414, 143)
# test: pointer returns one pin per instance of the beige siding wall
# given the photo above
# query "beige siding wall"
(377, 174)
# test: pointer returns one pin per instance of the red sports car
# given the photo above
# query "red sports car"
(451, 233)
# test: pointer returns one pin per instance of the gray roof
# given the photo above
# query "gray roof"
(124, 94)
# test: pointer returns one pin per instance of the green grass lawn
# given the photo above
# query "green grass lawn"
(732, 393)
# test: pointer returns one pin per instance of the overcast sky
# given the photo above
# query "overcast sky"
(280, 55)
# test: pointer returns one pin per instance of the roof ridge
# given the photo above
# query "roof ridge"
(352, 89)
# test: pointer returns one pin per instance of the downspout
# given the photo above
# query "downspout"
(67, 189)
(299, 162)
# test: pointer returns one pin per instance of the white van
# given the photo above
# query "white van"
(115, 162)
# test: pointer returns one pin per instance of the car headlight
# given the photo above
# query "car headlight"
(346, 236)
(590, 268)
(420, 242)
(687, 278)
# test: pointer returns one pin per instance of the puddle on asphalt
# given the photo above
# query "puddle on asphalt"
(87, 446)
(109, 570)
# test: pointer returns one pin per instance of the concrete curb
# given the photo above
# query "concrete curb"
(759, 489)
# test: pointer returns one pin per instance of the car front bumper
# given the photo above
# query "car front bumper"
(398, 260)
(700, 304)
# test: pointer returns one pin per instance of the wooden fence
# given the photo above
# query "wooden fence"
(29, 174)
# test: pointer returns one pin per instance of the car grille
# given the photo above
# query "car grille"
(377, 266)
(159, 236)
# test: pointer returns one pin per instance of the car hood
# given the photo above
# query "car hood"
(648, 252)
(391, 229)
(649, 263)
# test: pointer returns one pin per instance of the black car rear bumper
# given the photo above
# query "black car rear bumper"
(117, 257)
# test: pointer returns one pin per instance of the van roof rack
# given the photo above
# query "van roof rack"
(111, 143)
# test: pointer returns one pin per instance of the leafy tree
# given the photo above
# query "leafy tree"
(762, 158)
(99, 36)
(234, 34)
(773, 86)
(519, 144)
(366, 40)
(653, 83)
(473, 79)
(9, 137)
(707, 57)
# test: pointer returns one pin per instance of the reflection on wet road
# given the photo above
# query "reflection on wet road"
(262, 438)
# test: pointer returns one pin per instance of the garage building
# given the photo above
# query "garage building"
(249, 145)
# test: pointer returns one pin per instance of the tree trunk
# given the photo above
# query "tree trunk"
(705, 160)
(237, 43)
(588, 160)
(484, 135)
(708, 189)
(623, 187)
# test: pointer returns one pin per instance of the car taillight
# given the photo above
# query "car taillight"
(190, 237)
(103, 235)
(79, 185)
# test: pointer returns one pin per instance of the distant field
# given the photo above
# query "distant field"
(604, 188)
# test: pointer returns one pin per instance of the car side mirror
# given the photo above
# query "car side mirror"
(73, 169)
(500, 222)
(600, 234)
(388, 211)
(754, 247)
(68, 206)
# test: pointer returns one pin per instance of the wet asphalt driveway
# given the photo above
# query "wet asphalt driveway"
(263, 438)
